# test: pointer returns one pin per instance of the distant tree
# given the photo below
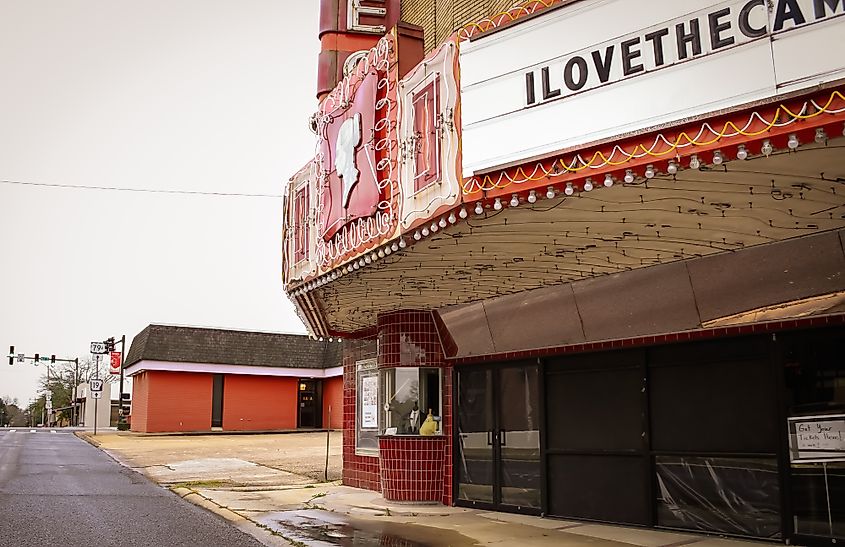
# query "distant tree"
(4, 418)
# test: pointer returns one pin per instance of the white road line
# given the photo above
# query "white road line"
(52, 431)
(13, 431)
(32, 431)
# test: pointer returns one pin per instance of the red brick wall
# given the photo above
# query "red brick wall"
(333, 395)
(259, 402)
(178, 401)
(358, 471)
(140, 396)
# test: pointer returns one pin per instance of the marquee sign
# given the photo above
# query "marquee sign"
(355, 172)
(582, 73)
(428, 136)
(682, 39)
(348, 160)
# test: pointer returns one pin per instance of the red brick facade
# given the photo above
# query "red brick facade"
(253, 403)
(358, 471)
(181, 401)
(140, 398)
(172, 401)
(405, 338)
(333, 396)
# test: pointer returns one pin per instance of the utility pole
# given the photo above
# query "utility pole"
(74, 421)
(121, 419)
(110, 343)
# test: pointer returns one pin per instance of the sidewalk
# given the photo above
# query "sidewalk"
(272, 483)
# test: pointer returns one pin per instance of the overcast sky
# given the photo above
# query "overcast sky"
(194, 95)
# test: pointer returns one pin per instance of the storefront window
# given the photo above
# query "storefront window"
(815, 384)
(409, 397)
(366, 415)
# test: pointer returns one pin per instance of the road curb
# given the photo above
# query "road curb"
(88, 438)
(245, 524)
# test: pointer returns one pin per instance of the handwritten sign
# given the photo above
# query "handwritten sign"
(817, 438)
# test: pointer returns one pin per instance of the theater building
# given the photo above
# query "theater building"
(602, 246)
(199, 379)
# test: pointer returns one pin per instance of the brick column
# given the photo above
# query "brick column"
(416, 468)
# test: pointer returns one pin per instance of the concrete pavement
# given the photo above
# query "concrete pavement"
(274, 481)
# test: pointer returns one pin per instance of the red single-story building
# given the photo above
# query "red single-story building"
(201, 379)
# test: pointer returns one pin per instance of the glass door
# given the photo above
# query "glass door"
(499, 464)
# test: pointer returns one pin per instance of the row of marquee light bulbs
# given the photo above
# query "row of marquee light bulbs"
(695, 162)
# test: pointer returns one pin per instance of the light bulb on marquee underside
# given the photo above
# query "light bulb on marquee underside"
(497, 205)
(452, 218)
(672, 168)
(649, 171)
(718, 158)
(608, 180)
(766, 148)
(417, 235)
(821, 136)
(741, 152)
(694, 162)
(478, 208)
(395, 246)
(588, 184)
(532, 197)
(425, 232)
(514, 201)
(463, 212)
(629, 176)
(550, 192)
(402, 243)
(434, 227)
(442, 222)
(793, 142)
(569, 190)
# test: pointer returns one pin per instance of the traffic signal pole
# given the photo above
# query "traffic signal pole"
(36, 359)
(121, 419)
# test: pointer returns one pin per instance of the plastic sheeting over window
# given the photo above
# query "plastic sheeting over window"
(739, 496)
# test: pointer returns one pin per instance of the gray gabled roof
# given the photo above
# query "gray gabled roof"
(232, 347)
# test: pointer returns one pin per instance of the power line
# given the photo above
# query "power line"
(142, 190)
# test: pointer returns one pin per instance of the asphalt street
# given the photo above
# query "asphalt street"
(56, 489)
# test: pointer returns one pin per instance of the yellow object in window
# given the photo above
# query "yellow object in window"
(428, 427)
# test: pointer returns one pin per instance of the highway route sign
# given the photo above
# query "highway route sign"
(96, 385)
(96, 394)
(98, 348)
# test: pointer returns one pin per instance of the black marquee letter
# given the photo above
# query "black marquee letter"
(582, 73)
(529, 88)
(819, 7)
(788, 9)
(603, 65)
(693, 37)
(717, 28)
(629, 55)
(744, 23)
(548, 93)
(656, 39)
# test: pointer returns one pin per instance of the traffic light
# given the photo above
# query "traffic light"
(52, 358)
(11, 355)
(110, 344)
(37, 358)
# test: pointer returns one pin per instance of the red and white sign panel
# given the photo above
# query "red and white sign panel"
(114, 364)
(349, 160)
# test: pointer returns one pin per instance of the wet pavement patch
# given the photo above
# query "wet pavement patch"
(318, 528)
